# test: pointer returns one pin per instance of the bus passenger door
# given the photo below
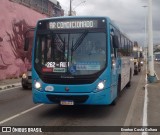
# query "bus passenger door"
(113, 67)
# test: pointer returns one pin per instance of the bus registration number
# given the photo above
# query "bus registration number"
(66, 102)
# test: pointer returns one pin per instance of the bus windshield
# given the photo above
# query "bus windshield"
(82, 53)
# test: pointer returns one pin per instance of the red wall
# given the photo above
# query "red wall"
(15, 19)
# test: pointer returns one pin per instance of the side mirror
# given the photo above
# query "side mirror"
(115, 42)
(26, 44)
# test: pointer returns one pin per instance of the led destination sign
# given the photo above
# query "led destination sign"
(73, 24)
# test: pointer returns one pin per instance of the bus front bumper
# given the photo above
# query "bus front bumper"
(94, 98)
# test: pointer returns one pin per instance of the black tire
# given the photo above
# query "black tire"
(136, 72)
(114, 102)
(139, 70)
(119, 86)
(25, 87)
(129, 83)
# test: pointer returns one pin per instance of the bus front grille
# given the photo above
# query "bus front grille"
(68, 81)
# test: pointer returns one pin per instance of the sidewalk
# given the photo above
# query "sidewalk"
(154, 104)
(9, 83)
(154, 100)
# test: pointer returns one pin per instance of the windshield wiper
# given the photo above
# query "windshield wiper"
(68, 53)
(78, 43)
(74, 47)
(71, 51)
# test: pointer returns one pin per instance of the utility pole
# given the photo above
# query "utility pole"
(151, 74)
(145, 38)
(70, 9)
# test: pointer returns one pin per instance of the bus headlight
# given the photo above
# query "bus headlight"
(101, 85)
(37, 85)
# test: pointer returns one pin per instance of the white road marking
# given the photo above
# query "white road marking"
(145, 121)
(157, 76)
(19, 114)
(10, 88)
(145, 108)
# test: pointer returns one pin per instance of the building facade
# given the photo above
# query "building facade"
(16, 17)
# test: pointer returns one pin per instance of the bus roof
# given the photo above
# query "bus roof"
(74, 17)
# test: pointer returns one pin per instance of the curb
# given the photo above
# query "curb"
(9, 86)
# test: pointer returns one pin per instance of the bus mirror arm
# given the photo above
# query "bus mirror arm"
(115, 41)
(26, 39)
(26, 44)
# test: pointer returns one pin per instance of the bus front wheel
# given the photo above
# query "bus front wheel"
(130, 77)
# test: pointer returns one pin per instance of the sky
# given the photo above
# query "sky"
(128, 15)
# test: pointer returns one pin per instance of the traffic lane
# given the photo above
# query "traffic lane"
(14, 101)
(54, 115)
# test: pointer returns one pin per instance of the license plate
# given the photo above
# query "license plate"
(66, 102)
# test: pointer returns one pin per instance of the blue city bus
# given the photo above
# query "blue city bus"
(80, 60)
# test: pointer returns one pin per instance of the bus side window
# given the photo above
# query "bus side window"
(111, 45)
(113, 50)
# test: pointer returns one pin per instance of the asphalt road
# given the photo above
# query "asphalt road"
(17, 109)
